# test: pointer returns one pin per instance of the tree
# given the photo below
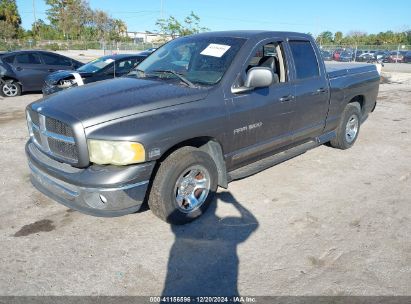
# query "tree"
(119, 30)
(338, 36)
(10, 20)
(41, 30)
(69, 17)
(173, 28)
(325, 37)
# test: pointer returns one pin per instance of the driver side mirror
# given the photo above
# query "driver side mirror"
(257, 77)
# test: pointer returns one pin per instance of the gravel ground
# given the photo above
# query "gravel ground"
(328, 222)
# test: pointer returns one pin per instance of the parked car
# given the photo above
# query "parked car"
(327, 56)
(337, 53)
(407, 57)
(346, 56)
(24, 71)
(395, 56)
(103, 68)
(171, 137)
(364, 57)
(150, 50)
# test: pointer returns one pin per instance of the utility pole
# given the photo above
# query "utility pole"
(34, 15)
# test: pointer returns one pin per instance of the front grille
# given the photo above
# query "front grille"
(63, 149)
(53, 136)
(58, 127)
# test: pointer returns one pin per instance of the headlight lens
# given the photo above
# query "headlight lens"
(105, 152)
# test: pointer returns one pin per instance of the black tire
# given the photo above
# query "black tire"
(163, 196)
(10, 88)
(343, 141)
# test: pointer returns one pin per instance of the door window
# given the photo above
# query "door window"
(8, 59)
(125, 66)
(305, 60)
(51, 59)
(28, 58)
(270, 55)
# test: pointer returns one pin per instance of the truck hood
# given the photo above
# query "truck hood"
(102, 101)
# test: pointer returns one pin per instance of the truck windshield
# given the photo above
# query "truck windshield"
(193, 60)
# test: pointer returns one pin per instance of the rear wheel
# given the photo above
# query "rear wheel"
(184, 186)
(10, 88)
(349, 127)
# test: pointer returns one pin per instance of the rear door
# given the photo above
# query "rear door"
(30, 71)
(311, 89)
(56, 62)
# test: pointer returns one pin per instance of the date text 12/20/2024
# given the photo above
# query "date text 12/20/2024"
(204, 299)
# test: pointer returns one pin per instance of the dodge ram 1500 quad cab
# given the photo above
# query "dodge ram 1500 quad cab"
(199, 112)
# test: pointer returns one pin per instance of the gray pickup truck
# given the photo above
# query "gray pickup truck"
(201, 111)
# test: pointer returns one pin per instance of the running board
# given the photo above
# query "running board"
(326, 137)
(270, 161)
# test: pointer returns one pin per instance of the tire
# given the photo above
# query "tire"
(173, 196)
(10, 88)
(348, 128)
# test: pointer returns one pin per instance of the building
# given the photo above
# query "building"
(147, 37)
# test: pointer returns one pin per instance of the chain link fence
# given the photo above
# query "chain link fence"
(109, 47)
(385, 47)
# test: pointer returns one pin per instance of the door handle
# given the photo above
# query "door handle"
(321, 91)
(51, 70)
(19, 68)
(287, 98)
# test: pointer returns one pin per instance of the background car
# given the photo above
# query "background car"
(346, 56)
(327, 56)
(105, 67)
(407, 57)
(150, 50)
(381, 55)
(336, 54)
(364, 57)
(24, 71)
(395, 56)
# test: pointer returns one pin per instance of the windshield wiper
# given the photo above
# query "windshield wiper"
(181, 77)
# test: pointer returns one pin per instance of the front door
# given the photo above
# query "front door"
(260, 119)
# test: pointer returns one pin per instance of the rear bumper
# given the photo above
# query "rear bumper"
(97, 190)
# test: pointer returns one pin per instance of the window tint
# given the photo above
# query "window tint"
(305, 61)
(269, 56)
(8, 59)
(124, 66)
(52, 59)
(28, 58)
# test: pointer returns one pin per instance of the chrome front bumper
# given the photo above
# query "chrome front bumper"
(96, 190)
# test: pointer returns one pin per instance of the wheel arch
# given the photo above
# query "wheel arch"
(360, 99)
(209, 145)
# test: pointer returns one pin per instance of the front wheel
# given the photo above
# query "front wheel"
(349, 127)
(184, 186)
(10, 88)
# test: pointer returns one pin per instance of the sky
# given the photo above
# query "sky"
(290, 15)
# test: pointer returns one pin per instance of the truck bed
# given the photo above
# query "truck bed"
(342, 69)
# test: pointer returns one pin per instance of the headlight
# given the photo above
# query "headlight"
(104, 152)
(65, 83)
